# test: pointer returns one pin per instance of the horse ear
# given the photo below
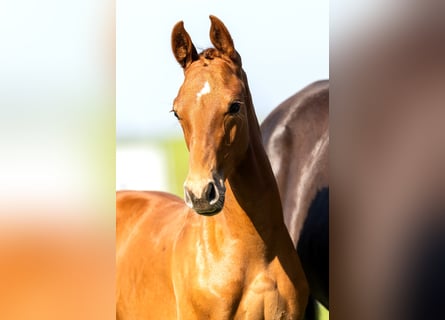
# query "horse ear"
(182, 46)
(221, 39)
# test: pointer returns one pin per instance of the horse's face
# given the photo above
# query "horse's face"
(211, 108)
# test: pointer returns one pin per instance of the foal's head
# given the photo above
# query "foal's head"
(212, 109)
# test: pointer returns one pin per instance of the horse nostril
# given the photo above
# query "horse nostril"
(212, 193)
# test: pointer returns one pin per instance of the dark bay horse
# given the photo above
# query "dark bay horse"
(225, 253)
(296, 139)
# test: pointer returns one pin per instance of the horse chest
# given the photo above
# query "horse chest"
(228, 286)
(215, 271)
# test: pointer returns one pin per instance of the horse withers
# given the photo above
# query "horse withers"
(296, 139)
(224, 252)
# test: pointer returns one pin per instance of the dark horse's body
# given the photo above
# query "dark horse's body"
(296, 139)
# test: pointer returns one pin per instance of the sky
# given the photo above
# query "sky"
(57, 77)
(284, 46)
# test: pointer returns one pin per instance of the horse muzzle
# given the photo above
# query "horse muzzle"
(205, 197)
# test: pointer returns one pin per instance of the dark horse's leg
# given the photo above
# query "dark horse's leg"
(313, 249)
(311, 309)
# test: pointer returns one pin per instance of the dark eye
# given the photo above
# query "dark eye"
(175, 114)
(234, 107)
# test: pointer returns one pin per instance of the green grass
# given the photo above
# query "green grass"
(323, 313)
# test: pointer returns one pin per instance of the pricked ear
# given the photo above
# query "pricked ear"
(182, 46)
(221, 39)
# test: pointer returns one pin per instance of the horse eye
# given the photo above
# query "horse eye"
(234, 107)
(175, 114)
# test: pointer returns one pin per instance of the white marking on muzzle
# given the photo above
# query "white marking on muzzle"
(187, 199)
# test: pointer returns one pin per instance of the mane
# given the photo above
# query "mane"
(212, 53)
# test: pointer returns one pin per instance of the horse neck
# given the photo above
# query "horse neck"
(251, 188)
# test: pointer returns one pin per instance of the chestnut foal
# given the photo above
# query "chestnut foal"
(225, 253)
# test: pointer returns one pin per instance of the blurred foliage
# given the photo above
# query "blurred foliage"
(177, 163)
(323, 313)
